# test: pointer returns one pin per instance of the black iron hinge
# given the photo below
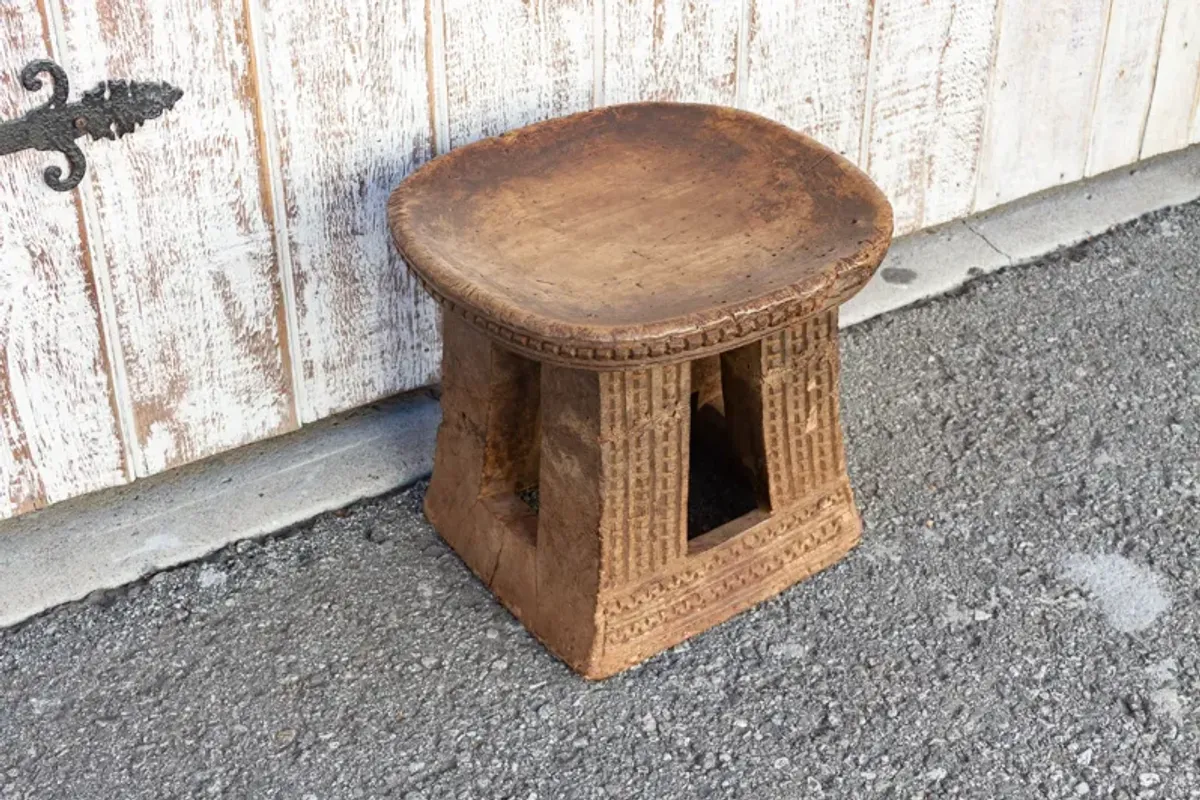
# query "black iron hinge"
(111, 110)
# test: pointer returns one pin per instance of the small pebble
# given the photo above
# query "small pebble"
(210, 577)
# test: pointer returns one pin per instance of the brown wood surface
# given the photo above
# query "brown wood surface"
(602, 570)
(59, 434)
(641, 233)
(624, 247)
(781, 402)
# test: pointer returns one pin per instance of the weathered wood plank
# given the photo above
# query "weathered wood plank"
(59, 434)
(348, 94)
(671, 50)
(182, 222)
(513, 62)
(1041, 98)
(1126, 82)
(807, 67)
(928, 89)
(1174, 119)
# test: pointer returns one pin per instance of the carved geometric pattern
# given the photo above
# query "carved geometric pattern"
(667, 348)
(615, 248)
(802, 433)
(644, 452)
(604, 572)
(728, 573)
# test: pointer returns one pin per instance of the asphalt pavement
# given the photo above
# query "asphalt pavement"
(1021, 620)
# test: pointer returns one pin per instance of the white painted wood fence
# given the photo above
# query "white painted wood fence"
(225, 275)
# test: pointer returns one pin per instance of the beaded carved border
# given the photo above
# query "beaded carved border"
(654, 349)
(729, 571)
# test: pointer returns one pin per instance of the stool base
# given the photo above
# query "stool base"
(732, 569)
(603, 572)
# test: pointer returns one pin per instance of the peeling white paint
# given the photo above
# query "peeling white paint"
(212, 340)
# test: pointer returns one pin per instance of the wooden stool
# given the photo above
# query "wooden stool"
(606, 278)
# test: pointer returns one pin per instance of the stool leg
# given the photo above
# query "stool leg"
(781, 404)
(486, 452)
(613, 495)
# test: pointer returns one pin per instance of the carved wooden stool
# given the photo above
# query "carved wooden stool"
(606, 279)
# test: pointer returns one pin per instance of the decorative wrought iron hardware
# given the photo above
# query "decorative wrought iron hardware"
(111, 110)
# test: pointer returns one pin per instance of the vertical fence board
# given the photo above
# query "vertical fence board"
(182, 220)
(1041, 97)
(180, 215)
(1126, 81)
(348, 92)
(671, 50)
(1173, 121)
(929, 81)
(513, 62)
(807, 67)
(59, 434)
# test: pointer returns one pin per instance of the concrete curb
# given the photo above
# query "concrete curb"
(110, 538)
(936, 260)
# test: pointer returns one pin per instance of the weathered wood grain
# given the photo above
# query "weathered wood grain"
(806, 66)
(1174, 119)
(512, 62)
(1131, 49)
(928, 90)
(181, 218)
(59, 434)
(640, 233)
(671, 50)
(586, 264)
(182, 223)
(348, 94)
(1041, 98)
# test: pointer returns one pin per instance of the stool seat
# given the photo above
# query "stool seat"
(640, 234)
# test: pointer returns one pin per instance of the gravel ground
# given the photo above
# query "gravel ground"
(1021, 620)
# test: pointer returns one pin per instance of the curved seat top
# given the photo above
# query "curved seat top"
(640, 233)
